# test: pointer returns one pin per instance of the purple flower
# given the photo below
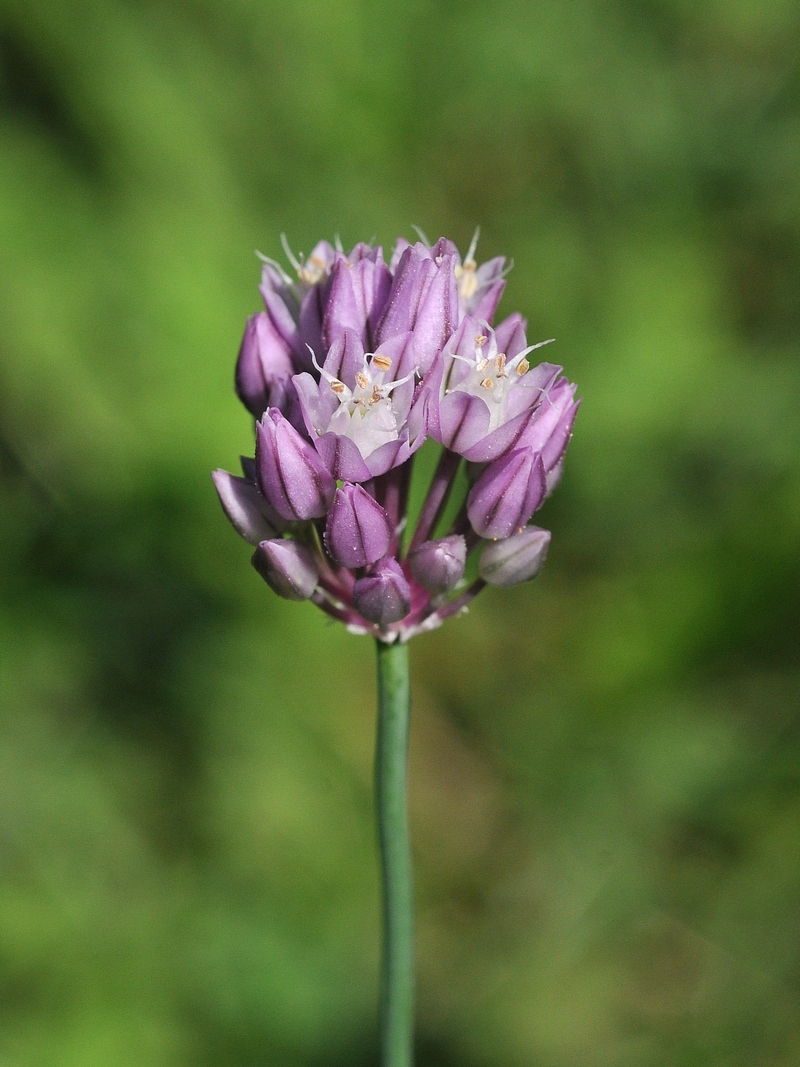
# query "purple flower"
(293, 479)
(507, 493)
(247, 510)
(358, 531)
(288, 568)
(516, 559)
(438, 566)
(384, 595)
(352, 364)
(422, 303)
(481, 399)
(361, 418)
(264, 364)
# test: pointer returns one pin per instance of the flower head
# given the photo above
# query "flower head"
(352, 364)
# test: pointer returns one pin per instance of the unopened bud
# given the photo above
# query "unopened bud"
(358, 531)
(438, 566)
(384, 595)
(515, 559)
(287, 567)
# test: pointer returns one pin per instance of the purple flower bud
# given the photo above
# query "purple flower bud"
(358, 531)
(507, 494)
(287, 567)
(515, 559)
(384, 596)
(247, 510)
(424, 301)
(292, 477)
(438, 566)
(358, 295)
(264, 358)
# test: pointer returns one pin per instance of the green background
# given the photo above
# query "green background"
(605, 764)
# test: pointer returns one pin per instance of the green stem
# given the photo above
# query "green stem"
(391, 759)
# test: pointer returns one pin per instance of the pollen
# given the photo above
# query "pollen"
(381, 362)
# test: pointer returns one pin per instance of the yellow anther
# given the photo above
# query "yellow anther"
(487, 383)
(500, 363)
(377, 396)
(523, 367)
(481, 340)
(481, 367)
(381, 362)
(362, 381)
(337, 386)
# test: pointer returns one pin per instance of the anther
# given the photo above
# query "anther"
(487, 383)
(337, 386)
(523, 367)
(481, 367)
(381, 362)
(481, 340)
(362, 381)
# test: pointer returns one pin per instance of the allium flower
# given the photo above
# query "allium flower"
(349, 368)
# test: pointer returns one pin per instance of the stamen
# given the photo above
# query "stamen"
(470, 257)
(337, 386)
(362, 381)
(500, 363)
(377, 396)
(481, 367)
(487, 383)
(523, 367)
(381, 362)
(481, 340)
(295, 262)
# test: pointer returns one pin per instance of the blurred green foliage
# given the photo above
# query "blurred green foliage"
(606, 793)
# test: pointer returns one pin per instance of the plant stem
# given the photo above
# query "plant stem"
(391, 760)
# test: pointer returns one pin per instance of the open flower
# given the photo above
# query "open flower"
(482, 398)
(361, 418)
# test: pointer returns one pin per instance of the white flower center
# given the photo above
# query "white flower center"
(492, 375)
(366, 413)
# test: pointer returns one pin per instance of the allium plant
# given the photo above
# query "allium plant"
(352, 365)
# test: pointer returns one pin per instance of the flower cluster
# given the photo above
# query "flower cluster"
(351, 367)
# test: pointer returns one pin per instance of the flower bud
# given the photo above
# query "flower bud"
(358, 531)
(287, 567)
(292, 477)
(263, 360)
(515, 559)
(438, 566)
(247, 510)
(507, 494)
(384, 596)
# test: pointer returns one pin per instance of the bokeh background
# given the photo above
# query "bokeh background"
(605, 764)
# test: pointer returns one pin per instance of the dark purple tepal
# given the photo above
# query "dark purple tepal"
(353, 363)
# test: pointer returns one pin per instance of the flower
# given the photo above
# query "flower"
(352, 365)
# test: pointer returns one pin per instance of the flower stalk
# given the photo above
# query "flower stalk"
(391, 762)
